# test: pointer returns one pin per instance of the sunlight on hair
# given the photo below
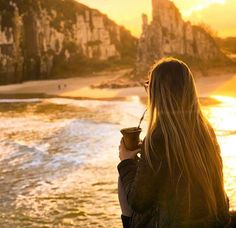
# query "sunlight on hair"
(174, 108)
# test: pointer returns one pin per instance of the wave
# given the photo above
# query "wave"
(30, 100)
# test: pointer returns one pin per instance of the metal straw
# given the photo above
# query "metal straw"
(142, 118)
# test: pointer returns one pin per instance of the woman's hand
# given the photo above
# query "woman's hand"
(125, 153)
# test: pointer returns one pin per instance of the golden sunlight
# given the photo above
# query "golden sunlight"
(128, 13)
(81, 95)
(222, 117)
(189, 7)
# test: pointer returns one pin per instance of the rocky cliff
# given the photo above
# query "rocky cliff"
(228, 45)
(41, 38)
(169, 35)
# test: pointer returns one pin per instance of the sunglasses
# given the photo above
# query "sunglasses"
(146, 84)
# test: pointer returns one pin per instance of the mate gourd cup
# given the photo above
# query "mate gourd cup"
(131, 137)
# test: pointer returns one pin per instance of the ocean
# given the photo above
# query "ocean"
(58, 158)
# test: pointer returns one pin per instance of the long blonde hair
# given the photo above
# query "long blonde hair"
(189, 140)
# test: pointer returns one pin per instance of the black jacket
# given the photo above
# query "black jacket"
(154, 199)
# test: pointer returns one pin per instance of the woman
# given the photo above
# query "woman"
(178, 179)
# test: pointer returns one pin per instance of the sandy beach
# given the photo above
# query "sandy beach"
(80, 87)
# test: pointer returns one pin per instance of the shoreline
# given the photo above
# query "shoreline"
(80, 88)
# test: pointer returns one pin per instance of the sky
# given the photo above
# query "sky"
(220, 15)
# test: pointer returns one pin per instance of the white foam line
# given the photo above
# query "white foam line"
(32, 100)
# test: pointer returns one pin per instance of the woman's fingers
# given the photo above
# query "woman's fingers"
(127, 154)
(134, 152)
(122, 144)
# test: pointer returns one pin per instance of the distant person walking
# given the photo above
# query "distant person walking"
(178, 179)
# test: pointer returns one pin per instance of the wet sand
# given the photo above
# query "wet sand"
(81, 87)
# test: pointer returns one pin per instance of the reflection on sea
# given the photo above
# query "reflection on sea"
(58, 158)
(223, 119)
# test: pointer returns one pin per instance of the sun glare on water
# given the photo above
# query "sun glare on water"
(223, 119)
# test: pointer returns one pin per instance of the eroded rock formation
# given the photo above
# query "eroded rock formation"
(169, 35)
(39, 37)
